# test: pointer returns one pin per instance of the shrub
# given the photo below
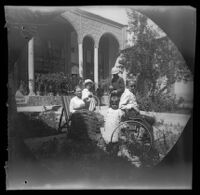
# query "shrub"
(161, 103)
(55, 83)
(104, 84)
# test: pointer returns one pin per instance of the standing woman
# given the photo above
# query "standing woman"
(117, 84)
(87, 95)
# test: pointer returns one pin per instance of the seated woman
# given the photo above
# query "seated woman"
(76, 102)
(87, 95)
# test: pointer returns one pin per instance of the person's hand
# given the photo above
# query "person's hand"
(114, 92)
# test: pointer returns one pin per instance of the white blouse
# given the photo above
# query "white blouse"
(128, 100)
(85, 94)
(76, 103)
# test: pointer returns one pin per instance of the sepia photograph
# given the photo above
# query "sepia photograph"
(99, 97)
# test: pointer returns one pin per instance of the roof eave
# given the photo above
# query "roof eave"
(97, 17)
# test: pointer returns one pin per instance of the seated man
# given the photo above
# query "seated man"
(76, 102)
(128, 100)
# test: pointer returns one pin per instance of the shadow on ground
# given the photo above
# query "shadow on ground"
(88, 168)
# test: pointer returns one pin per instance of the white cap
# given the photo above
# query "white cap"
(88, 81)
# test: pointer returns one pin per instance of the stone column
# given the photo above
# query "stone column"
(96, 67)
(31, 66)
(80, 57)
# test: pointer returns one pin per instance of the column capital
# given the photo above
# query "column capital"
(96, 45)
(80, 39)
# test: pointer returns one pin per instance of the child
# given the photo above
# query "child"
(118, 107)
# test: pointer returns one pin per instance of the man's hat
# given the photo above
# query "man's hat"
(115, 70)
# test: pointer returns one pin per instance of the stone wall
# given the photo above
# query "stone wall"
(42, 101)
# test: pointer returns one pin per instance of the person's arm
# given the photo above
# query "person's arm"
(133, 104)
(123, 101)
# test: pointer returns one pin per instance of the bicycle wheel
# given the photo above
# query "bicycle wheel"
(135, 136)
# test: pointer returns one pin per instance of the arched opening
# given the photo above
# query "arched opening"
(108, 52)
(88, 58)
(56, 48)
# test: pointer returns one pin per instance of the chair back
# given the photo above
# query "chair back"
(97, 102)
(65, 104)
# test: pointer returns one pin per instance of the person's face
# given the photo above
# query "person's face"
(78, 92)
(115, 75)
(114, 102)
(89, 86)
(132, 87)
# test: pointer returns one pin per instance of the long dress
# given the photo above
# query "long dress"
(112, 121)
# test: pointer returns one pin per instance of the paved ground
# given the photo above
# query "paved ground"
(169, 118)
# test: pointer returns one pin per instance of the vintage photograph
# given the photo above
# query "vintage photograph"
(98, 96)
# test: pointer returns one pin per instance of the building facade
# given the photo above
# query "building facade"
(72, 41)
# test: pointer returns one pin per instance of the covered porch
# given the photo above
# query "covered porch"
(53, 45)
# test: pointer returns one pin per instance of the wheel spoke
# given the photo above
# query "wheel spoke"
(135, 136)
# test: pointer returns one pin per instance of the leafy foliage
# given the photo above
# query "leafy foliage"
(104, 84)
(161, 103)
(152, 59)
(56, 83)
